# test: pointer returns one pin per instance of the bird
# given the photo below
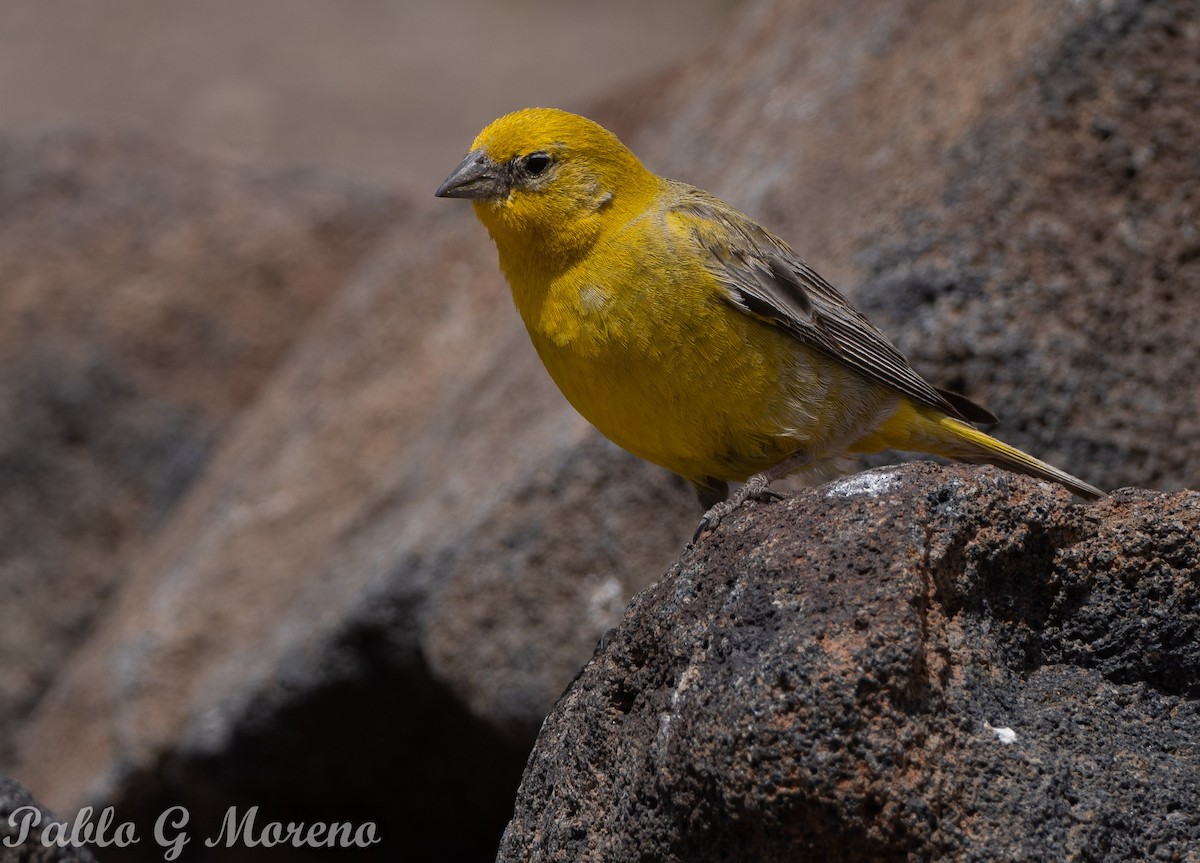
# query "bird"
(692, 336)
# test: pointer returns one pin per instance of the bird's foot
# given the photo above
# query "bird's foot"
(758, 488)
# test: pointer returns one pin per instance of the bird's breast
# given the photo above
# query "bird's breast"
(645, 348)
(669, 384)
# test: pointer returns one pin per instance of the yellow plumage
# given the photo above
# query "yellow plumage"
(688, 334)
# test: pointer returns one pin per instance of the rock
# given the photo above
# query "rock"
(17, 810)
(1007, 190)
(1067, 304)
(308, 627)
(915, 663)
(147, 294)
(399, 543)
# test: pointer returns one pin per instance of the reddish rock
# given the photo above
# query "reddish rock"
(22, 822)
(1008, 190)
(406, 544)
(915, 663)
(317, 606)
(147, 294)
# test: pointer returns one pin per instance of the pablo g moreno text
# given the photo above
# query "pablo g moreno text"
(237, 828)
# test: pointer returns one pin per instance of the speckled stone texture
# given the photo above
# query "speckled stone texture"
(15, 801)
(916, 663)
(291, 513)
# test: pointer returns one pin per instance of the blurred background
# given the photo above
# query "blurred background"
(290, 513)
(191, 193)
(389, 91)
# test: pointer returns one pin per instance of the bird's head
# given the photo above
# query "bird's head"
(545, 181)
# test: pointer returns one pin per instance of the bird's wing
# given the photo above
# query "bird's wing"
(764, 278)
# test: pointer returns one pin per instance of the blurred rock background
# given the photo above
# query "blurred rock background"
(384, 91)
(189, 195)
(289, 513)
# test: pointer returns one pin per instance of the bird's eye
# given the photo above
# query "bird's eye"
(536, 163)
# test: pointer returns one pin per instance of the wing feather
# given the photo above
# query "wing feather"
(766, 279)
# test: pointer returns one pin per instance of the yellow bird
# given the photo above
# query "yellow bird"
(688, 334)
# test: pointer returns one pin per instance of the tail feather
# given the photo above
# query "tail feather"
(922, 429)
(967, 444)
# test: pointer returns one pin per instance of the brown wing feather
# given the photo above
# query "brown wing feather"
(767, 279)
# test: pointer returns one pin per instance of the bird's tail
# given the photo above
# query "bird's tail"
(920, 429)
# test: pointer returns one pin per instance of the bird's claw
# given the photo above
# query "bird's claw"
(717, 512)
(708, 521)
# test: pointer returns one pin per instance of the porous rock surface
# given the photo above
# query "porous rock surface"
(293, 515)
(1007, 190)
(915, 663)
(22, 822)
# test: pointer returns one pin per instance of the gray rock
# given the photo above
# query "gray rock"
(361, 553)
(916, 663)
(146, 294)
(15, 804)
(1007, 190)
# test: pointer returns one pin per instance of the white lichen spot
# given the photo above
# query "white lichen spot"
(690, 676)
(871, 483)
(1004, 734)
(664, 729)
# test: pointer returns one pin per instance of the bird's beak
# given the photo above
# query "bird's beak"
(477, 177)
